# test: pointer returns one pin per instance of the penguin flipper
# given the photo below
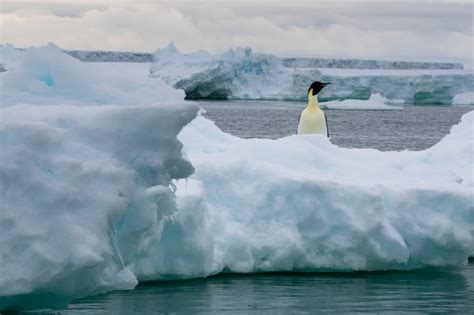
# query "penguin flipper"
(327, 127)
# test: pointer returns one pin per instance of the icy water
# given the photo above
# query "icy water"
(415, 292)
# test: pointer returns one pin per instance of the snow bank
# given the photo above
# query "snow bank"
(242, 74)
(464, 99)
(318, 207)
(81, 186)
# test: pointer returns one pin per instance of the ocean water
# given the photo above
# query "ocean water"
(416, 292)
(414, 128)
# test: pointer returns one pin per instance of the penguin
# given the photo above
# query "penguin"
(312, 118)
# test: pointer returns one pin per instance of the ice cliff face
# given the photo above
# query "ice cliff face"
(242, 74)
(97, 191)
(365, 64)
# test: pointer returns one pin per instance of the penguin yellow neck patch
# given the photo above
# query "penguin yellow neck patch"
(313, 103)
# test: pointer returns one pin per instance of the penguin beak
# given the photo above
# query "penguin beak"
(324, 84)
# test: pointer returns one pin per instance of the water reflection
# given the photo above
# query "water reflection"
(421, 291)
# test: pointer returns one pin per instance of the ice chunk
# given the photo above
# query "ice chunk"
(464, 99)
(171, 66)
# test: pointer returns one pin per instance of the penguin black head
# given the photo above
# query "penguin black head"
(317, 87)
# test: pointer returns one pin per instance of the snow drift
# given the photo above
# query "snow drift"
(99, 193)
(242, 74)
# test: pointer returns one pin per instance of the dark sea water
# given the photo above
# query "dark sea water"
(414, 292)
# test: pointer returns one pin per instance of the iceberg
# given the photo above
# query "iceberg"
(101, 190)
(243, 74)
(83, 182)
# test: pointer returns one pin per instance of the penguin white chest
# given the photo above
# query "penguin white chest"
(312, 121)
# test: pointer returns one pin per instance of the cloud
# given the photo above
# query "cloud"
(407, 30)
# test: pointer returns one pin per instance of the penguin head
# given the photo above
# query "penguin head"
(316, 87)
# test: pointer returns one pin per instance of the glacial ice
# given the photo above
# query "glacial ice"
(99, 193)
(242, 74)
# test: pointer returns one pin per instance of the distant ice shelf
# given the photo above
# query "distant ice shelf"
(243, 74)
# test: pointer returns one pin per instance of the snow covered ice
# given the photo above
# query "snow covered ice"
(101, 187)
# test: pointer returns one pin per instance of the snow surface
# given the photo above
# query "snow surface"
(99, 193)
(242, 74)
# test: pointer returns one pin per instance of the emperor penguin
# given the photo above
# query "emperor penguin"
(312, 118)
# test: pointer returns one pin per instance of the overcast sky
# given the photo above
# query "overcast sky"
(418, 30)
